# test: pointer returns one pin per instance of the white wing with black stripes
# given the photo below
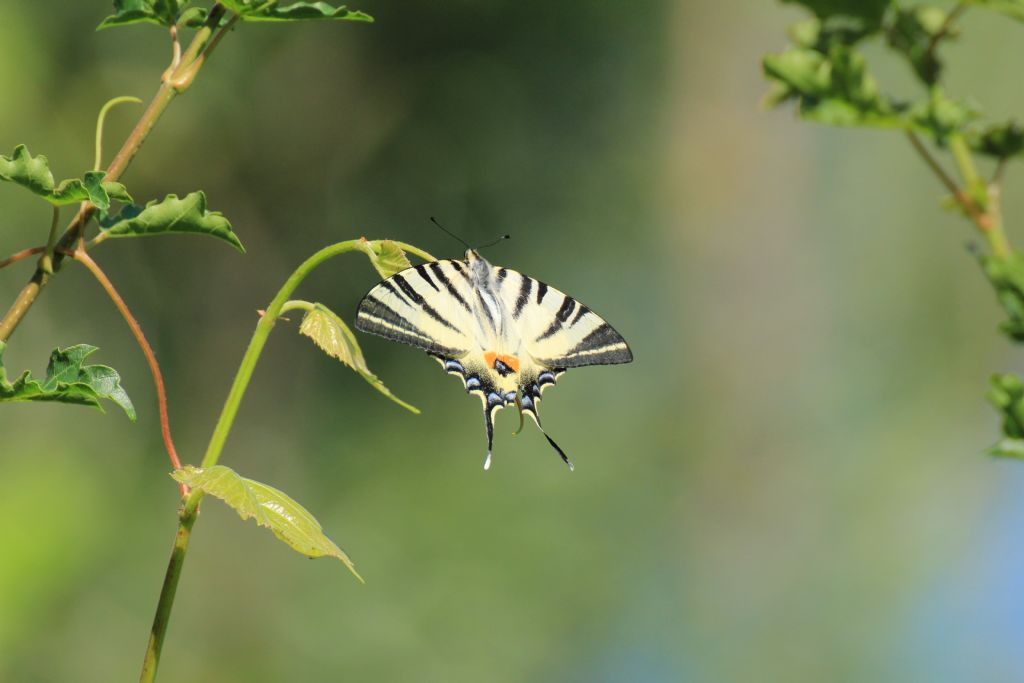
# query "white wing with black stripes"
(505, 334)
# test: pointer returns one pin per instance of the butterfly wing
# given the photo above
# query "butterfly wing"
(556, 332)
(426, 306)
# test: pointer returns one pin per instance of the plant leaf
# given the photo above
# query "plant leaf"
(68, 381)
(261, 10)
(33, 173)
(331, 334)
(161, 12)
(914, 32)
(1003, 140)
(1007, 277)
(1008, 448)
(833, 88)
(868, 13)
(1011, 8)
(187, 214)
(271, 508)
(386, 256)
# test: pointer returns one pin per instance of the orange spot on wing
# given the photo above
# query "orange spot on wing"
(511, 361)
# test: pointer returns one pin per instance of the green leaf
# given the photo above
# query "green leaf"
(271, 508)
(940, 116)
(867, 13)
(33, 173)
(833, 88)
(331, 334)
(1007, 277)
(386, 256)
(1011, 8)
(161, 12)
(1003, 140)
(171, 215)
(1006, 393)
(261, 10)
(68, 381)
(914, 33)
(1008, 448)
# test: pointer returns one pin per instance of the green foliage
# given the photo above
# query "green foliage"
(1006, 393)
(271, 508)
(1007, 277)
(869, 12)
(386, 256)
(162, 12)
(1001, 140)
(68, 381)
(171, 215)
(330, 333)
(832, 87)
(262, 10)
(914, 33)
(33, 173)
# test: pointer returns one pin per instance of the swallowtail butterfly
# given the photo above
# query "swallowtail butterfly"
(505, 334)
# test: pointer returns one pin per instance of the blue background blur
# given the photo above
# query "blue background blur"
(787, 484)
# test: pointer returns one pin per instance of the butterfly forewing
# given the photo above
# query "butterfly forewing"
(557, 330)
(425, 306)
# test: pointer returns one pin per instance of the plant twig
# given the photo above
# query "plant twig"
(968, 204)
(164, 95)
(154, 367)
(19, 255)
(46, 260)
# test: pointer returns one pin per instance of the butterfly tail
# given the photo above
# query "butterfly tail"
(528, 405)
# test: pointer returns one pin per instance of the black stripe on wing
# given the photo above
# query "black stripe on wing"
(603, 346)
(376, 317)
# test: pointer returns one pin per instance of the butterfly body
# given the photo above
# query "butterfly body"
(506, 335)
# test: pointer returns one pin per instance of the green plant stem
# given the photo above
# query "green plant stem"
(164, 95)
(256, 344)
(965, 163)
(186, 518)
(101, 118)
(988, 220)
(187, 514)
(415, 251)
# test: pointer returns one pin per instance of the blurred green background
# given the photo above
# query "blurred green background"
(787, 484)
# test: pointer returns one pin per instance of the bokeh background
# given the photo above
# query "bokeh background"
(787, 485)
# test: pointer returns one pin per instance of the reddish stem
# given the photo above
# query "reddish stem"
(19, 255)
(154, 367)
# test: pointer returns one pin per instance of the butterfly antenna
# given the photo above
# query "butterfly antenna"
(491, 244)
(450, 233)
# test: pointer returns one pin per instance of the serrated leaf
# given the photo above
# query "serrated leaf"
(171, 215)
(330, 333)
(68, 381)
(161, 12)
(833, 88)
(261, 10)
(33, 173)
(1011, 8)
(271, 508)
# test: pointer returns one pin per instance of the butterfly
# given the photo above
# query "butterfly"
(506, 335)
